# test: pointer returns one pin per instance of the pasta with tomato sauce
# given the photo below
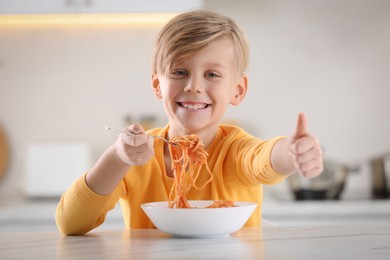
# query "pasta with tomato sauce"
(188, 157)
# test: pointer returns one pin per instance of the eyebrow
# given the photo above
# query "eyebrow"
(209, 64)
(213, 64)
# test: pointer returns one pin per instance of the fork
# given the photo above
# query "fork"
(131, 133)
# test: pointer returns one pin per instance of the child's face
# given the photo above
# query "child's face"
(197, 92)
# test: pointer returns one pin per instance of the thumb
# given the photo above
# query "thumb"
(300, 131)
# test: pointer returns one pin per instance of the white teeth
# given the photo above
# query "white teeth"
(194, 107)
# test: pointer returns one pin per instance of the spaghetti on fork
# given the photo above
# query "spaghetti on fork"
(188, 158)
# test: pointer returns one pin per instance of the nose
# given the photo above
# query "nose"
(194, 84)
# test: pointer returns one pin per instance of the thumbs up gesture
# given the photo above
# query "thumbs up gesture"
(305, 150)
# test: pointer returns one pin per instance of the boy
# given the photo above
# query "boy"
(198, 71)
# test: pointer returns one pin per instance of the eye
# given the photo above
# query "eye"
(179, 73)
(211, 75)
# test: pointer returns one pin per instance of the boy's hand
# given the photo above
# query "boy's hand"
(134, 149)
(305, 150)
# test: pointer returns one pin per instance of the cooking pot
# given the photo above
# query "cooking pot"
(380, 173)
(327, 186)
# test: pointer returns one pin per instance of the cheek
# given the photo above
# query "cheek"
(166, 92)
(224, 91)
(170, 90)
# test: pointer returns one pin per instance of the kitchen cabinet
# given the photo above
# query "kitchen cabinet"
(96, 6)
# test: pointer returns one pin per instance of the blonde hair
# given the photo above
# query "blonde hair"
(188, 33)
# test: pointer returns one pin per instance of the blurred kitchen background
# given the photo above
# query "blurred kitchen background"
(68, 68)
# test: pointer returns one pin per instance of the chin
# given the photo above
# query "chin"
(191, 128)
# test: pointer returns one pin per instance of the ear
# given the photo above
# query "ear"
(240, 90)
(156, 86)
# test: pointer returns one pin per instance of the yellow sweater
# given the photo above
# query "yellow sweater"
(239, 162)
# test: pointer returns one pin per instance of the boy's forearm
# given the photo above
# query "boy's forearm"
(280, 159)
(75, 214)
(105, 175)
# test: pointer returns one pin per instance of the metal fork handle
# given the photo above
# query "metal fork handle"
(131, 133)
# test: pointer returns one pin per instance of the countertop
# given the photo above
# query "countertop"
(38, 215)
(352, 242)
(291, 230)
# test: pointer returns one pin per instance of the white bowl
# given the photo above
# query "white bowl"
(199, 221)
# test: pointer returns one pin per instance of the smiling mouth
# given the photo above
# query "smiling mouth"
(193, 106)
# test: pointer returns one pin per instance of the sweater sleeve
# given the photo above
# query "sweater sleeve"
(254, 161)
(81, 209)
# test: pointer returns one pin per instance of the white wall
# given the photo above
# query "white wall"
(329, 59)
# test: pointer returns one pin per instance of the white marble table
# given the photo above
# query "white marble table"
(338, 242)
